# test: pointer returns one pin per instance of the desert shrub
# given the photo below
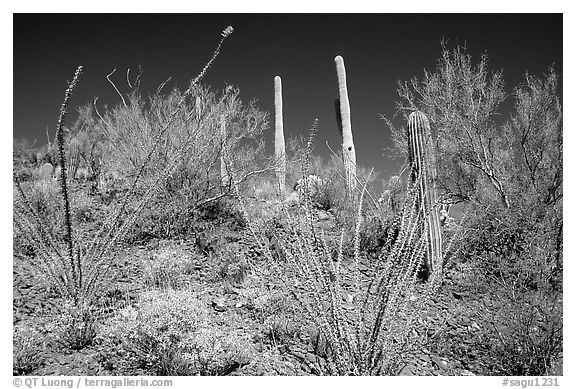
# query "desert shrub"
(233, 263)
(358, 306)
(280, 316)
(45, 200)
(74, 326)
(150, 144)
(169, 333)
(330, 194)
(170, 267)
(206, 130)
(90, 145)
(521, 271)
(87, 210)
(525, 331)
(377, 236)
(221, 212)
(264, 189)
(28, 346)
(281, 329)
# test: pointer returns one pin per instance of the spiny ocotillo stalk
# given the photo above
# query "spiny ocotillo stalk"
(75, 267)
(348, 150)
(421, 154)
(279, 146)
(224, 174)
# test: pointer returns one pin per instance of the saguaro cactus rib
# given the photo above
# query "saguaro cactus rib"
(422, 159)
(279, 146)
(348, 150)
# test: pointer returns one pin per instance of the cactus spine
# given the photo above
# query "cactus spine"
(279, 146)
(421, 155)
(348, 150)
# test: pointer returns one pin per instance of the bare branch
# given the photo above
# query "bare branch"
(162, 85)
(117, 91)
(98, 113)
(128, 78)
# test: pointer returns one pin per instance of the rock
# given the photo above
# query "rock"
(463, 321)
(363, 268)
(348, 297)
(348, 306)
(244, 357)
(219, 304)
(424, 358)
(260, 370)
(407, 370)
(459, 295)
(298, 354)
(310, 357)
(439, 362)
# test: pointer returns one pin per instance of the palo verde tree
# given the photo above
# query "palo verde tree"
(479, 153)
(506, 166)
(462, 100)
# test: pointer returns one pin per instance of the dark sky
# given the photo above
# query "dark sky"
(378, 50)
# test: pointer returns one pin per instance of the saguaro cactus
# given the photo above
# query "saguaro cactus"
(224, 173)
(73, 157)
(279, 146)
(348, 150)
(46, 171)
(422, 159)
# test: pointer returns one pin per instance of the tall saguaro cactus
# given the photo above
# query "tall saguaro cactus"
(422, 159)
(279, 146)
(348, 150)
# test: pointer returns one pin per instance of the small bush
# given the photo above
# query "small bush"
(281, 317)
(223, 211)
(514, 257)
(377, 236)
(75, 326)
(170, 267)
(169, 333)
(234, 265)
(526, 323)
(28, 346)
(85, 210)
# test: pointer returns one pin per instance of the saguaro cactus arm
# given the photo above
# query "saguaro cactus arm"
(422, 159)
(279, 146)
(348, 150)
